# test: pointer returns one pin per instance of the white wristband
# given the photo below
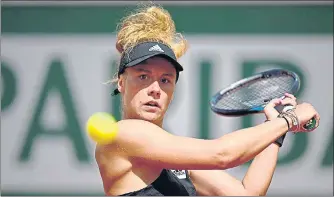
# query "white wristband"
(287, 107)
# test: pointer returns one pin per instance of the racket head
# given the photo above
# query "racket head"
(250, 95)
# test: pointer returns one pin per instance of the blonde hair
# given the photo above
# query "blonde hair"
(149, 23)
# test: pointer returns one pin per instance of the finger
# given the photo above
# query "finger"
(274, 103)
(270, 110)
(290, 96)
(289, 101)
(317, 118)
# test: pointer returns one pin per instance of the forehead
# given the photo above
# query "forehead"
(156, 63)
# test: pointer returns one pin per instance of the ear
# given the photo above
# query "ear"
(120, 84)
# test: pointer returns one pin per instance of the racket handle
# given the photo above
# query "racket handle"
(310, 124)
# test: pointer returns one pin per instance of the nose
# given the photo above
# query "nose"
(154, 90)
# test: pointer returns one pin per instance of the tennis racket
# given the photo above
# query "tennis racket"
(250, 95)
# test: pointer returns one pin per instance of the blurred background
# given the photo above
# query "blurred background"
(56, 56)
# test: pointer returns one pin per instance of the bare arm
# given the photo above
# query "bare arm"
(145, 141)
(259, 175)
(255, 183)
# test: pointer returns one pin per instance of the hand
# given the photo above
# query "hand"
(304, 113)
(270, 110)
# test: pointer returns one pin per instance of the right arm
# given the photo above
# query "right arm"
(142, 140)
(145, 141)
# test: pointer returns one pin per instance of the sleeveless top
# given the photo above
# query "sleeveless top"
(169, 183)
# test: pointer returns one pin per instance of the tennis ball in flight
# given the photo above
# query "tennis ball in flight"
(102, 128)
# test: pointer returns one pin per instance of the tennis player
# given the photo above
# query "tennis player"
(145, 159)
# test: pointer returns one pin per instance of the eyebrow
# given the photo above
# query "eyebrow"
(169, 74)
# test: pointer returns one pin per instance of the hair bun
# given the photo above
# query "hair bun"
(150, 24)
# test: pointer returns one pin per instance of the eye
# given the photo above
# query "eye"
(165, 80)
(143, 77)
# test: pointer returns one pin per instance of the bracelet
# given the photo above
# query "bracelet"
(287, 122)
(295, 120)
(293, 117)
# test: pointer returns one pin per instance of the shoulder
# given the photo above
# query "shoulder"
(126, 127)
(131, 135)
(131, 132)
(105, 152)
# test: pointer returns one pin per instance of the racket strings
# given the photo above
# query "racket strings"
(256, 93)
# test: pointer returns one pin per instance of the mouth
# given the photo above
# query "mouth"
(152, 104)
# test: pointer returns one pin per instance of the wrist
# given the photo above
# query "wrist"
(291, 120)
(279, 141)
(287, 120)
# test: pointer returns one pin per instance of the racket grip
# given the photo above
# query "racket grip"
(310, 124)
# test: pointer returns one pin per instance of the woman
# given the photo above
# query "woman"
(146, 160)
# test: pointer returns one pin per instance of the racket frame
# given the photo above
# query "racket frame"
(239, 84)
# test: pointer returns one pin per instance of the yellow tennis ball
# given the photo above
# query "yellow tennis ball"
(102, 128)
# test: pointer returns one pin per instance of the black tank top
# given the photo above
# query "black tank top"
(169, 183)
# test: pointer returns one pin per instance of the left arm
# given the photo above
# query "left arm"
(261, 171)
(259, 175)
(256, 181)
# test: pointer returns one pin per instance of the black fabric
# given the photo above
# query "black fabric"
(144, 51)
(167, 184)
(280, 140)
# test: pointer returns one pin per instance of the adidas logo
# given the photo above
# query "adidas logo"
(181, 174)
(156, 48)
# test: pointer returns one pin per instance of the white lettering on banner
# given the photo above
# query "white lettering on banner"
(53, 165)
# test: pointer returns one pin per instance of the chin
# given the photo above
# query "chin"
(151, 117)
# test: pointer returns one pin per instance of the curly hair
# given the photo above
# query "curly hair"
(150, 23)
